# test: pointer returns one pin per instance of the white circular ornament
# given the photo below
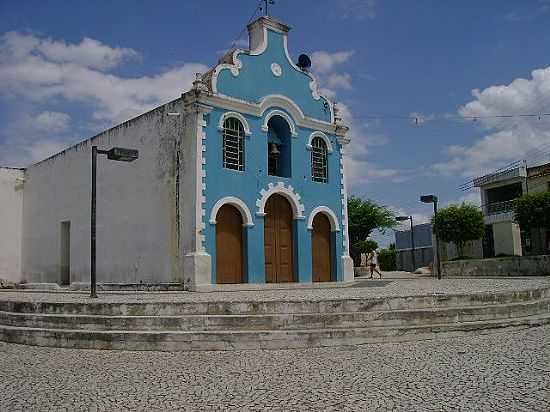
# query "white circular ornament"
(276, 69)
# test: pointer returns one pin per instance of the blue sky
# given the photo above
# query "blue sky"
(71, 69)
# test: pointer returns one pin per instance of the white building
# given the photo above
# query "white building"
(498, 190)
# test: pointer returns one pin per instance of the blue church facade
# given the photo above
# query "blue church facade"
(240, 180)
(266, 133)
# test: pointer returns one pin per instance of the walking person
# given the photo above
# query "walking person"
(372, 260)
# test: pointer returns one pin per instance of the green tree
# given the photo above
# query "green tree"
(459, 224)
(364, 216)
(532, 210)
(365, 246)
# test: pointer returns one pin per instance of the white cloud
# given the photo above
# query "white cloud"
(46, 122)
(359, 169)
(88, 53)
(473, 198)
(421, 118)
(41, 69)
(339, 81)
(323, 62)
(45, 148)
(25, 151)
(541, 9)
(507, 139)
(376, 140)
(418, 217)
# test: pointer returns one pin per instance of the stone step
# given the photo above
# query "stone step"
(174, 308)
(250, 339)
(282, 321)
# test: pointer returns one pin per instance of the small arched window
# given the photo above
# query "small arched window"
(319, 167)
(233, 144)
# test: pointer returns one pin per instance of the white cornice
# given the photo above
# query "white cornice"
(257, 109)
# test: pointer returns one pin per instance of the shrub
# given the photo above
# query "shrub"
(386, 259)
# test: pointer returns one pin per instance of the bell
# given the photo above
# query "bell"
(273, 149)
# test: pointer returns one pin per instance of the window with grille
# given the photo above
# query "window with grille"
(319, 169)
(233, 144)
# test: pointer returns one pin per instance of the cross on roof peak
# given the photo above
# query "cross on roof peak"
(267, 3)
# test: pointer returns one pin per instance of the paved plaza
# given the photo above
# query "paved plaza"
(508, 371)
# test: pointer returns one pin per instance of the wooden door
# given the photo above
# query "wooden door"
(321, 249)
(278, 240)
(229, 245)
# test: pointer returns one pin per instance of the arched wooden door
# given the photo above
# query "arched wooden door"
(278, 240)
(321, 249)
(229, 245)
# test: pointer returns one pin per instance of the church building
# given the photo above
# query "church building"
(240, 180)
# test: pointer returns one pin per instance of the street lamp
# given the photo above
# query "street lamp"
(120, 154)
(402, 219)
(433, 199)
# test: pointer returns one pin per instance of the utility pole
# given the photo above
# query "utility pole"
(120, 154)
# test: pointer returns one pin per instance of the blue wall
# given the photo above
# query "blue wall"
(254, 82)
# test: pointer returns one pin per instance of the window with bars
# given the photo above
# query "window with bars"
(233, 144)
(319, 167)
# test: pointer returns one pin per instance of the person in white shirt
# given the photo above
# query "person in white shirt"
(372, 261)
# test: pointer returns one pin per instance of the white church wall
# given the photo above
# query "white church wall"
(11, 208)
(137, 239)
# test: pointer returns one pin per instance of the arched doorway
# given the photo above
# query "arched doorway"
(321, 248)
(278, 240)
(229, 245)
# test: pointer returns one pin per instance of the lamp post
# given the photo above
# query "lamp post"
(433, 199)
(119, 154)
(402, 219)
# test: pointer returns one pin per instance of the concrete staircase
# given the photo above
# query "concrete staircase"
(266, 324)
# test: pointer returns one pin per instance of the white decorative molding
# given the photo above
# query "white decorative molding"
(235, 68)
(233, 201)
(334, 226)
(257, 109)
(201, 158)
(313, 85)
(195, 138)
(322, 136)
(276, 69)
(344, 197)
(260, 49)
(238, 116)
(280, 189)
(285, 116)
(282, 102)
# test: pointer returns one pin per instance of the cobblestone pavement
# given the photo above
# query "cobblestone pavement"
(507, 371)
(396, 287)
